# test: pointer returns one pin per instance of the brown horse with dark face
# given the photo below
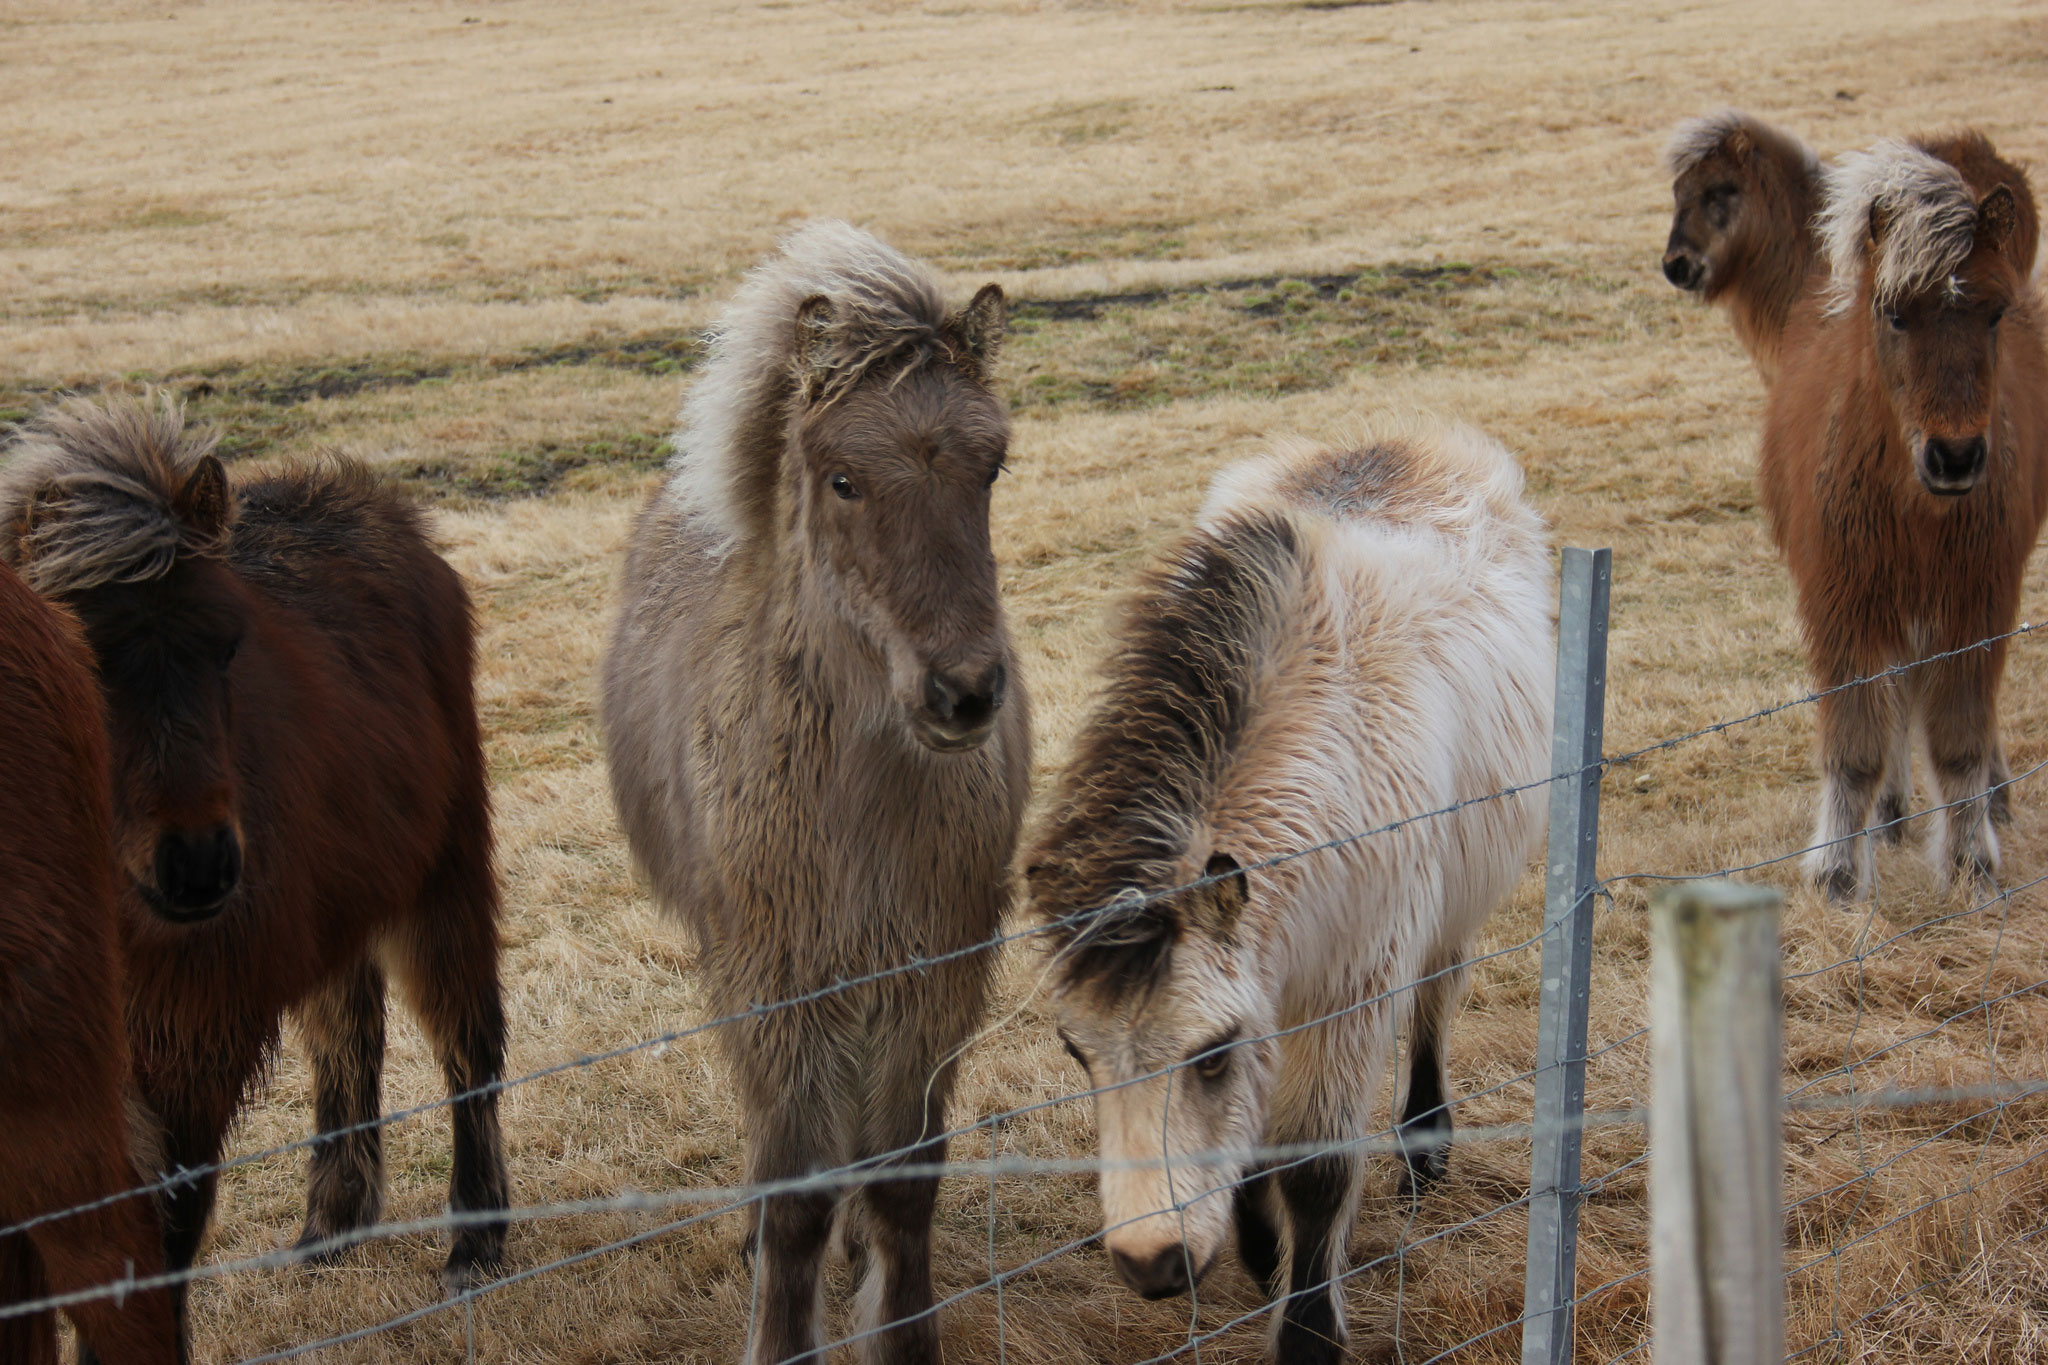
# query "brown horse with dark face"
(298, 790)
(1905, 476)
(1742, 238)
(63, 1058)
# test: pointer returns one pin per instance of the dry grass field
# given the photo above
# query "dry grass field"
(473, 243)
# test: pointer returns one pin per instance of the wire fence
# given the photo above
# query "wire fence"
(1851, 1209)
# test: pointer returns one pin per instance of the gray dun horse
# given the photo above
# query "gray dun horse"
(1904, 474)
(1347, 638)
(1744, 198)
(819, 747)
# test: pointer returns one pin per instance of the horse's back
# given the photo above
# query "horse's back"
(332, 542)
(1426, 600)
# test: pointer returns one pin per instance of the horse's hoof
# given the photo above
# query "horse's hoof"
(1427, 1155)
(473, 1263)
(1839, 886)
(317, 1247)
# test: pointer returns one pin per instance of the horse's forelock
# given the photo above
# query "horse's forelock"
(1696, 139)
(89, 495)
(888, 316)
(1928, 212)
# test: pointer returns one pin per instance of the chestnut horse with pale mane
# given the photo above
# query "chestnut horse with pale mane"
(63, 1058)
(1904, 474)
(299, 796)
(1742, 238)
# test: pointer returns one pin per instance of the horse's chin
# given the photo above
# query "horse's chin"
(1948, 492)
(164, 910)
(941, 739)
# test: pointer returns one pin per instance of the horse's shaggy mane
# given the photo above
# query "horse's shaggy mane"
(887, 312)
(1181, 690)
(88, 494)
(1696, 139)
(1929, 216)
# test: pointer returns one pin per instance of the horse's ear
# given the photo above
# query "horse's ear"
(978, 329)
(1216, 908)
(204, 503)
(815, 320)
(1880, 221)
(1998, 219)
(1738, 145)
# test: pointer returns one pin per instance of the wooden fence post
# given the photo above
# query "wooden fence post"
(1716, 1150)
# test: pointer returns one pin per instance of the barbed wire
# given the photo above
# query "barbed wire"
(883, 1166)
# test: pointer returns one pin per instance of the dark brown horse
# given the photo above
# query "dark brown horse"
(298, 790)
(63, 1059)
(1744, 198)
(1905, 476)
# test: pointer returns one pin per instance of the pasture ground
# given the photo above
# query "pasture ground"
(473, 243)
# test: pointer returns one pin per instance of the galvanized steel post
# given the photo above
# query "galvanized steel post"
(1550, 1282)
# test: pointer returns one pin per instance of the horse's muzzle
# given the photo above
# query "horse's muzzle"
(1164, 1274)
(195, 872)
(1950, 466)
(1685, 270)
(959, 711)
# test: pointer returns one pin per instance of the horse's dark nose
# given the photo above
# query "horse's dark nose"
(1682, 270)
(1951, 465)
(197, 869)
(960, 707)
(1161, 1275)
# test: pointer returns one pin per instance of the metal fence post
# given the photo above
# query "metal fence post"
(1550, 1281)
(1717, 1162)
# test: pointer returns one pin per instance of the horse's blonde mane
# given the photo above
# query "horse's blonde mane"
(1930, 221)
(885, 304)
(88, 494)
(1696, 139)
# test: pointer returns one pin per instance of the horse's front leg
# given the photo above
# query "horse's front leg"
(1857, 726)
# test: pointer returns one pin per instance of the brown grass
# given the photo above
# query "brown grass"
(472, 244)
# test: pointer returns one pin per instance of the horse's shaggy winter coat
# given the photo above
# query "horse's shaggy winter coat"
(299, 796)
(63, 1058)
(1349, 637)
(817, 743)
(1904, 474)
(1742, 236)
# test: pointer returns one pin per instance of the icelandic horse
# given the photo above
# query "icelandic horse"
(1348, 637)
(1904, 476)
(819, 746)
(1745, 196)
(299, 799)
(64, 1115)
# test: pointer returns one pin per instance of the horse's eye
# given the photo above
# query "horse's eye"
(229, 650)
(1997, 316)
(1897, 321)
(1211, 1065)
(843, 486)
(993, 475)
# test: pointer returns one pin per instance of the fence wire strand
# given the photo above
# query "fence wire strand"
(1856, 1101)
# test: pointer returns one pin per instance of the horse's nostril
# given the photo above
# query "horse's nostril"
(940, 696)
(1679, 270)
